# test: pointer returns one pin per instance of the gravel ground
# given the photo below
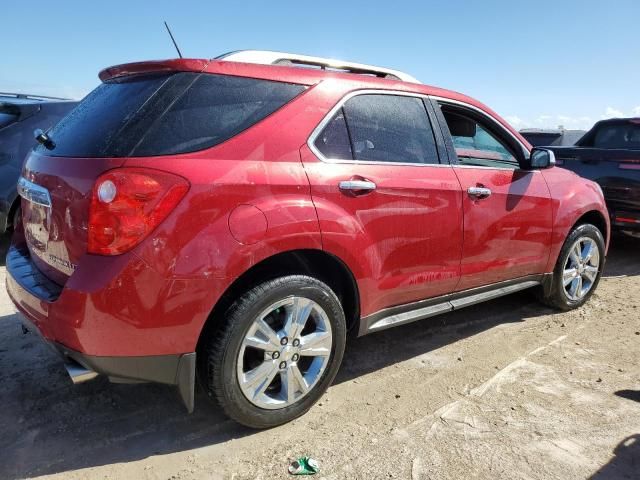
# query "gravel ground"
(504, 390)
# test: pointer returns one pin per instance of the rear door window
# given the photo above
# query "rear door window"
(390, 128)
(333, 142)
(166, 114)
(380, 128)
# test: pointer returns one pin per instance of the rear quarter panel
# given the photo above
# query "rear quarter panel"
(572, 197)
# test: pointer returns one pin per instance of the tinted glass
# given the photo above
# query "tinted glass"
(624, 136)
(390, 128)
(165, 114)
(481, 148)
(333, 142)
(7, 119)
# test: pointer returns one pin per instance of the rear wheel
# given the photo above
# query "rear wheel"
(279, 350)
(578, 268)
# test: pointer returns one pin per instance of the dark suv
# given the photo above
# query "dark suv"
(232, 219)
(20, 115)
(609, 154)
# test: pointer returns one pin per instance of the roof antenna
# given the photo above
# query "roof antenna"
(173, 39)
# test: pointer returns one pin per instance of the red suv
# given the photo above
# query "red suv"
(232, 220)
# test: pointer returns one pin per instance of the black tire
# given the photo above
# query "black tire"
(556, 296)
(219, 353)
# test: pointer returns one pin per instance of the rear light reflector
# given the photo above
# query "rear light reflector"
(127, 204)
(626, 220)
(629, 166)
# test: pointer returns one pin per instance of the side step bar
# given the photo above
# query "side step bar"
(78, 373)
(400, 315)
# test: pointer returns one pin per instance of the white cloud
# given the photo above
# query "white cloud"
(514, 120)
(612, 112)
(569, 122)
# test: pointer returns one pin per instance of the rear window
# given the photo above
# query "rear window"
(165, 114)
(7, 119)
(622, 135)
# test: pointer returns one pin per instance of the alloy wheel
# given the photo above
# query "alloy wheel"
(284, 353)
(581, 268)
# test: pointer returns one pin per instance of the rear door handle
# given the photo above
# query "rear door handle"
(357, 186)
(479, 193)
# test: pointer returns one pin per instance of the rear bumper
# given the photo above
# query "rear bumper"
(115, 317)
(178, 370)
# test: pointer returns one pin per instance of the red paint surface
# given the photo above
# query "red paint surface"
(417, 235)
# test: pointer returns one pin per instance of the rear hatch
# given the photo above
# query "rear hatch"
(145, 114)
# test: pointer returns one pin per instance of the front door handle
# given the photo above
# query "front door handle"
(357, 186)
(479, 193)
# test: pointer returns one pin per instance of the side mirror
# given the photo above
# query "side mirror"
(539, 159)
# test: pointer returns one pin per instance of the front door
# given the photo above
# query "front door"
(385, 203)
(507, 211)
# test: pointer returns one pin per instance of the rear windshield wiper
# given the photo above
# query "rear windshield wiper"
(44, 139)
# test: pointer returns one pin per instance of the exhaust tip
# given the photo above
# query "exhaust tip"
(78, 373)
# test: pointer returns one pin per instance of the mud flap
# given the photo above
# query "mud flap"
(186, 380)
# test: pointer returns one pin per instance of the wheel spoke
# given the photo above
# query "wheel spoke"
(271, 342)
(257, 380)
(297, 374)
(317, 344)
(298, 317)
(568, 276)
(594, 259)
(574, 256)
(591, 273)
(288, 390)
(573, 290)
(587, 251)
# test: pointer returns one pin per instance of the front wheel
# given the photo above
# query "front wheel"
(578, 269)
(278, 351)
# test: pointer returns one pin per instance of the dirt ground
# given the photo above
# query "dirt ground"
(505, 390)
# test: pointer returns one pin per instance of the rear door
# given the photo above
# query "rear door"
(507, 211)
(386, 204)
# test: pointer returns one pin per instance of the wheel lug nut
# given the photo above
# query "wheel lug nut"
(295, 357)
(284, 341)
(296, 342)
(283, 365)
(275, 355)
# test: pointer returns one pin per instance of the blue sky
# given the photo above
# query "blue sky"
(538, 63)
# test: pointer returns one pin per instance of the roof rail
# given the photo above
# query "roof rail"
(266, 57)
(28, 96)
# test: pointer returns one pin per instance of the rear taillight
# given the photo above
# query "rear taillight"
(127, 204)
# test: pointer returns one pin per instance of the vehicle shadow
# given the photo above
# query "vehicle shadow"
(625, 463)
(52, 426)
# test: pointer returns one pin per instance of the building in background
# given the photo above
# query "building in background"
(559, 137)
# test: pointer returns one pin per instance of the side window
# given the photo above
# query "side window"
(333, 142)
(390, 128)
(475, 144)
(380, 128)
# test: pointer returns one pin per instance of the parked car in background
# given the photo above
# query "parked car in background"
(20, 115)
(609, 154)
(559, 137)
(232, 219)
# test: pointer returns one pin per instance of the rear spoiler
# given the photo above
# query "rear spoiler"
(174, 65)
